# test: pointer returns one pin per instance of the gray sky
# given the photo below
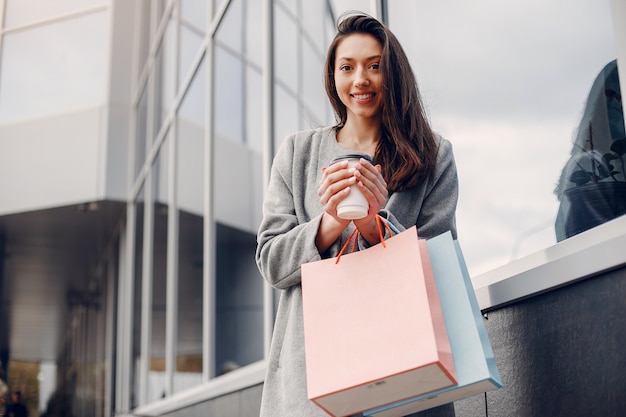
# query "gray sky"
(506, 83)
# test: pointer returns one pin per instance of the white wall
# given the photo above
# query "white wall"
(51, 162)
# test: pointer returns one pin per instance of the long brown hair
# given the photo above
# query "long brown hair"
(407, 150)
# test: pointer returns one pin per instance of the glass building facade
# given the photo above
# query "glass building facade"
(135, 143)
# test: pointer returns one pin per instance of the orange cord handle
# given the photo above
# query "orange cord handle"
(354, 237)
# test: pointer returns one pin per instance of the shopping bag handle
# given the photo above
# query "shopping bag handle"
(354, 236)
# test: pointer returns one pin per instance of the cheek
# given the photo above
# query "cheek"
(342, 86)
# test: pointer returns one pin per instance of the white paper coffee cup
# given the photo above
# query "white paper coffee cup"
(354, 206)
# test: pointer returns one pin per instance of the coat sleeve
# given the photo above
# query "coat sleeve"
(286, 239)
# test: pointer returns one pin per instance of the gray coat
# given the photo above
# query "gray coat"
(286, 239)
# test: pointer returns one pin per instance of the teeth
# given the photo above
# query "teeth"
(363, 96)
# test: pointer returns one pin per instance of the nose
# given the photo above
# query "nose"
(360, 78)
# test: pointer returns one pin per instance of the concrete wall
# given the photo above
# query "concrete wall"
(560, 353)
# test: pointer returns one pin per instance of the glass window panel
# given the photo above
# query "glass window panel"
(254, 109)
(22, 12)
(230, 31)
(340, 6)
(189, 357)
(160, 175)
(286, 53)
(166, 59)
(141, 133)
(194, 14)
(156, 374)
(190, 45)
(143, 21)
(254, 31)
(313, 89)
(193, 108)
(285, 117)
(228, 96)
(138, 270)
(239, 300)
(66, 72)
(190, 192)
(315, 14)
(291, 5)
(514, 111)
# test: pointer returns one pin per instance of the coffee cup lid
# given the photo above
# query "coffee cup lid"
(352, 156)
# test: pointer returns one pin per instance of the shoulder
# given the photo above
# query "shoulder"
(445, 153)
(304, 139)
(444, 146)
(300, 146)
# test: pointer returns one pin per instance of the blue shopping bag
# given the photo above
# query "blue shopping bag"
(474, 361)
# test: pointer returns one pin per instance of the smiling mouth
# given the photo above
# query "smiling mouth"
(363, 96)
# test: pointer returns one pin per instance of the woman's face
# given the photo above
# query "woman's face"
(358, 78)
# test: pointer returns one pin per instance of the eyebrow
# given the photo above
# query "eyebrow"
(343, 58)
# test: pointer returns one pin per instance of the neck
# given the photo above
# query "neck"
(362, 137)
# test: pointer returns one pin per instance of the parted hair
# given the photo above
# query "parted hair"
(407, 150)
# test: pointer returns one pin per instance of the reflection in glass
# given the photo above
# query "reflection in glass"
(239, 301)
(228, 88)
(65, 73)
(592, 188)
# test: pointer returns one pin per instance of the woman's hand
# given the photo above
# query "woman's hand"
(335, 186)
(370, 181)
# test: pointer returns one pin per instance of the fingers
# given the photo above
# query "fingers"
(338, 178)
(335, 186)
(372, 185)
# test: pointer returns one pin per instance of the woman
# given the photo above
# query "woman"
(413, 181)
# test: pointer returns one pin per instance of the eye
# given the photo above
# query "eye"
(344, 68)
(375, 66)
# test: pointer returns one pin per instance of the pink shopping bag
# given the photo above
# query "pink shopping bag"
(374, 328)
